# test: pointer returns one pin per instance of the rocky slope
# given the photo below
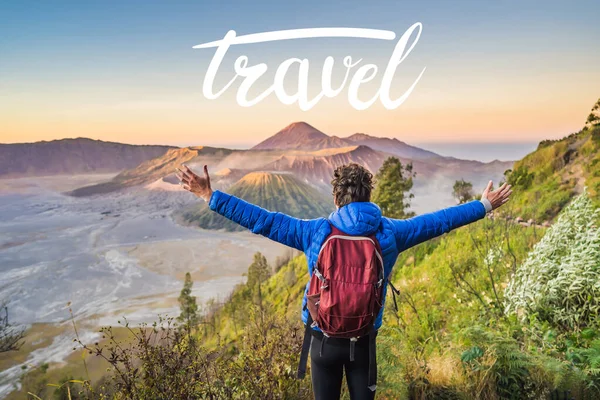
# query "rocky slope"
(162, 167)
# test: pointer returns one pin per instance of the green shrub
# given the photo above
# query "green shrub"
(520, 178)
(163, 361)
(559, 280)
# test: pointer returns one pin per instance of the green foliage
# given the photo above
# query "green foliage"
(587, 358)
(68, 389)
(542, 183)
(463, 191)
(187, 303)
(393, 183)
(594, 117)
(559, 280)
(520, 178)
(496, 367)
(470, 356)
(281, 293)
(163, 362)
(447, 286)
(258, 272)
(267, 360)
(595, 133)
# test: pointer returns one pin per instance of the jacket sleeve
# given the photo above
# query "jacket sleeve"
(412, 231)
(276, 226)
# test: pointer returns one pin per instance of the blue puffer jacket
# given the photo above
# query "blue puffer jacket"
(359, 218)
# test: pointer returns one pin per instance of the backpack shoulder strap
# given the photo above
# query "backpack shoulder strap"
(305, 348)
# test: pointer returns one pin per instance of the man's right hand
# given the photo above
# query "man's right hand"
(200, 186)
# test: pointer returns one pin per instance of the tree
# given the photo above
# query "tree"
(594, 117)
(187, 304)
(393, 183)
(289, 279)
(11, 338)
(463, 191)
(258, 272)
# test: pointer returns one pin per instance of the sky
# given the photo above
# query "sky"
(497, 73)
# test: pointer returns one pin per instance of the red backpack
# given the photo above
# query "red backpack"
(345, 293)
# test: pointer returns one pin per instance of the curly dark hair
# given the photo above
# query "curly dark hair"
(351, 182)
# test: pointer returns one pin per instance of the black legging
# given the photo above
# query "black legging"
(327, 370)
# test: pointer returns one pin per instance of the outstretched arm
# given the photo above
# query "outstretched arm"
(413, 231)
(276, 226)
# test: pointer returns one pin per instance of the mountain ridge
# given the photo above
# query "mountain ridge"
(306, 152)
(73, 156)
(392, 145)
(301, 136)
(312, 161)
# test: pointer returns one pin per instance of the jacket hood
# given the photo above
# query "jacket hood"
(358, 218)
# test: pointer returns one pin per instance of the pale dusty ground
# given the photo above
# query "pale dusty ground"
(110, 256)
(205, 259)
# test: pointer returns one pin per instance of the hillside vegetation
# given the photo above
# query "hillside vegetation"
(548, 178)
(453, 336)
(445, 287)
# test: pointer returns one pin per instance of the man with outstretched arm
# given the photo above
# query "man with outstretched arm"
(355, 217)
